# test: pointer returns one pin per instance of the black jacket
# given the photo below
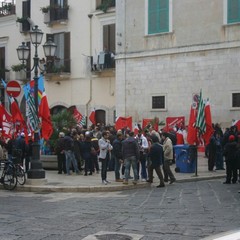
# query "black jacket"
(130, 148)
(117, 148)
(156, 155)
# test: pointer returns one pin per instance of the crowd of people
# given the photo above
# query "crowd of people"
(82, 150)
(99, 149)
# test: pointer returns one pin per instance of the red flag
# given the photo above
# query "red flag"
(123, 122)
(6, 122)
(17, 117)
(77, 115)
(147, 121)
(44, 113)
(172, 122)
(136, 129)
(236, 123)
(208, 120)
(92, 117)
(192, 130)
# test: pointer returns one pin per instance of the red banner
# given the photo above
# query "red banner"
(147, 121)
(123, 122)
(172, 122)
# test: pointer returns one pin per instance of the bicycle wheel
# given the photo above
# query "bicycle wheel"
(9, 178)
(21, 176)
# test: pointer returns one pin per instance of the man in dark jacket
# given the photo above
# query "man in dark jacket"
(156, 160)
(131, 154)
(230, 151)
(117, 151)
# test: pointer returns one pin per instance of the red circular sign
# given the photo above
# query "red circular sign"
(13, 88)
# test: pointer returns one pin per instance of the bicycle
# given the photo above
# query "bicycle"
(8, 177)
(16, 159)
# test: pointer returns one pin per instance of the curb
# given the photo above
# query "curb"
(101, 188)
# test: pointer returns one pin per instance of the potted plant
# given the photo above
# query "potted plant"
(106, 4)
(45, 9)
(18, 67)
(21, 20)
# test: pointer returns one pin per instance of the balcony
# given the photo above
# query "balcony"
(58, 69)
(7, 9)
(104, 5)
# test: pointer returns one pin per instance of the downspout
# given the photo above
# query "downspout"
(90, 77)
(125, 63)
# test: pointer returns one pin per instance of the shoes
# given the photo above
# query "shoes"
(149, 181)
(85, 174)
(165, 180)
(226, 182)
(144, 180)
(104, 182)
(90, 173)
(222, 168)
(130, 177)
(119, 180)
(125, 182)
(107, 181)
(218, 169)
(135, 182)
(172, 181)
(161, 185)
(59, 172)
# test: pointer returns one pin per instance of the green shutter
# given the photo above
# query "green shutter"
(233, 11)
(158, 16)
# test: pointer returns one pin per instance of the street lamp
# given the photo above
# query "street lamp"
(36, 171)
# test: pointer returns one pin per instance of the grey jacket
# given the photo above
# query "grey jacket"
(104, 147)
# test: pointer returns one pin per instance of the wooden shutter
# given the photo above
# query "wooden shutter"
(233, 11)
(67, 63)
(158, 16)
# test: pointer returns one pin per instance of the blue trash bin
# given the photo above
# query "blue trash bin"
(186, 158)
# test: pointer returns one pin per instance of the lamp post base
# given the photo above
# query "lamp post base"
(36, 170)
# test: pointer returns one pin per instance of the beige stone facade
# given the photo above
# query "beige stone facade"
(200, 51)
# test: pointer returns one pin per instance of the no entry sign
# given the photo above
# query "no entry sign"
(13, 88)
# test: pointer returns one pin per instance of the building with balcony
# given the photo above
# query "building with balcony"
(82, 73)
(167, 51)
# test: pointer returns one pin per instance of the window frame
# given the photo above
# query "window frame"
(231, 21)
(165, 102)
(170, 27)
(237, 107)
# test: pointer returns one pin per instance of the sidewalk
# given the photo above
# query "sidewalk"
(78, 183)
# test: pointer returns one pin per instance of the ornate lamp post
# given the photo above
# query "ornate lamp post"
(36, 171)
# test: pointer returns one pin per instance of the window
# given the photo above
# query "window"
(235, 100)
(58, 10)
(158, 16)
(233, 11)
(26, 6)
(61, 63)
(158, 102)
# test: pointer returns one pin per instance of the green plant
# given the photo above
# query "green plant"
(21, 20)
(106, 4)
(3, 70)
(62, 122)
(8, 7)
(45, 9)
(18, 67)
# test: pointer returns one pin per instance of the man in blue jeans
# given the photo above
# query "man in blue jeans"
(131, 154)
(69, 154)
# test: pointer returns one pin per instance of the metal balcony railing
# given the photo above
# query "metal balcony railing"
(58, 13)
(7, 9)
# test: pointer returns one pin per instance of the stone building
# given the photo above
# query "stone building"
(82, 74)
(167, 51)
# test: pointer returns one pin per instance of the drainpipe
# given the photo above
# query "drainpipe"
(90, 77)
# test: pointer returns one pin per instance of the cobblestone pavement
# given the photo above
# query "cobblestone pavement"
(188, 211)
